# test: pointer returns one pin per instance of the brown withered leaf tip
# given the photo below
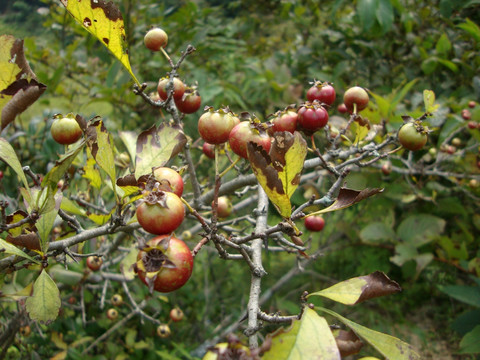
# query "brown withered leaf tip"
(29, 241)
(378, 284)
(91, 133)
(348, 343)
(347, 197)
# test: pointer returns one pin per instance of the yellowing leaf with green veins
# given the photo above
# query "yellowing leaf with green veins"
(91, 173)
(13, 250)
(359, 289)
(44, 303)
(155, 147)
(101, 219)
(104, 21)
(279, 171)
(429, 100)
(348, 197)
(19, 87)
(389, 346)
(307, 338)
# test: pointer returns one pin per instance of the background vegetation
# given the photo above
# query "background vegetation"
(423, 231)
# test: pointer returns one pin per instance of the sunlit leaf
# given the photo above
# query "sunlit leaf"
(19, 87)
(358, 289)
(470, 27)
(7, 154)
(279, 171)
(129, 138)
(104, 21)
(13, 250)
(45, 302)
(307, 338)
(91, 173)
(71, 207)
(348, 197)
(429, 100)
(155, 147)
(389, 346)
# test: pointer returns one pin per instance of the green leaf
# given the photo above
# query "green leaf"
(420, 229)
(44, 225)
(359, 289)
(443, 45)
(129, 138)
(429, 100)
(155, 147)
(466, 294)
(7, 154)
(13, 250)
(308, 338)
(278, 172)
(376, 232)
(470, 27)
(45, 302)
(469, 343)
(104, 21)
(366, 10)
(389, 346)
(71, 207)
(384, 14)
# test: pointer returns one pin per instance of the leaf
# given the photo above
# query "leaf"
(19, 87)
(13, 250)
(308, 338)
(104, 21)
(91, 173)
(366, 10)
(45, 302)
(470, 27)
(155, 147)
(101, 146)
(348, 343)
(358, 289)
(443, 45)
(466, 294)
(384, 14)
(429, 100)
(469, 343)
(389, 346)
(278, 172)
(376, 232)
(420, 229)
(129, 138)
(126, 265)
(346, 198)
(7, 154)
(62, 165)
(44, 225)
(28, 240)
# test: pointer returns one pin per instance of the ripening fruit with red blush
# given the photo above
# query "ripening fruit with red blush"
(155, 39)
(314, 223)
(356, 95)
(190, 101)
(472, 125)
(178, 88)
(94, 263)
(225, 207)
(466, 114)
(387, 168)
(342, 108)
(285, 121)
(311, 118)
(323, 92)
(208, 150)
(161, 212)
(66, 130)
(215, 126)
(246, 132)
(176, 314)
(169, 179)
(165, 264)
(413, 136)
(471, 104)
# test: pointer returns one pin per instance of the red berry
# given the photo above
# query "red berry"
(356, 95)
(215, 126)
(285, 121)
(472, 125)
(225, 207)
(169, 179)
(176, 314)
(466, 114)
(165, 264)
(94, 263)
(342, 108)
(312, 118)
(314, 223)
(155, 39)
(190, 101)
(471, 104)
(178, 88)
(66, 130)
(323, 92)
(246, 132)
(209, 150)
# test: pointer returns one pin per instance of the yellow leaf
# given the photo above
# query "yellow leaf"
(104, 21)
(278, 172)
(429, 100)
